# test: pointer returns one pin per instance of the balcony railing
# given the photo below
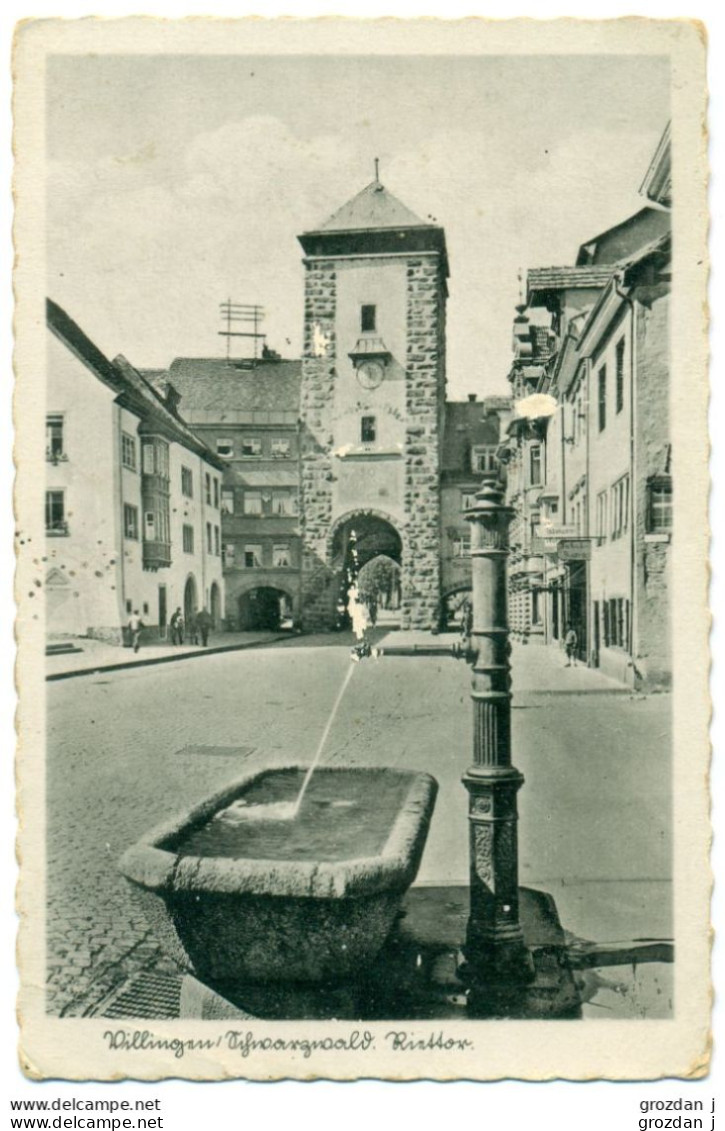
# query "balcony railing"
(57, 529)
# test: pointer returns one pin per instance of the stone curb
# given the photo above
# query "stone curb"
(172, 659)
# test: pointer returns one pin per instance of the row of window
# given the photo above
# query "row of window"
(253, 556)
(613, 506)
(155, 461)
(211, 487)
(603, 395)
(603, 390)
(483, 456)
(156, 530)
(274, 447)
(280, 501)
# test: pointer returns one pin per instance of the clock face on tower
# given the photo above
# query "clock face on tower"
(370, 374)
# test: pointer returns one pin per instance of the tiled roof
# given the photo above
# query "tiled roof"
(215, 384)
(70, 332)
(172, 420)
(128, 383)
(661, 244)
(657, 183)
(624, 238)
(566, 278)
(373, 208)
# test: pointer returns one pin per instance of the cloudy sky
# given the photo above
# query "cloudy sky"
(175, 182)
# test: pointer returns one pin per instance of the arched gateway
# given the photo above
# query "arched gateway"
(264, 608)
(365, 548)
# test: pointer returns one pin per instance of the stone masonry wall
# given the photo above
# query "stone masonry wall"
(425, 393)
(653, 661)
(319, 588)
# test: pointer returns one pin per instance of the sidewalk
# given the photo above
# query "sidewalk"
(541, 669)
(96, 655)
(537, 669)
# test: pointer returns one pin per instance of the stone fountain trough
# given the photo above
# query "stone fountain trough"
(238, 900)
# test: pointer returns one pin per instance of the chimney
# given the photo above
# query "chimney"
(472, 397)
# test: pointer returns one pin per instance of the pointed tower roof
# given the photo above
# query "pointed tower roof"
(374, 222)
(373, 209)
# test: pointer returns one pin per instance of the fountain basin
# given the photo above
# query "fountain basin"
(305, 900)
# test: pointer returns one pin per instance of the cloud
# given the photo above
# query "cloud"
(170, 239)
(144, 244)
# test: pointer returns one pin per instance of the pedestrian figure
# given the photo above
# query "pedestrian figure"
(359, 613)
(203, 623)
(571, 641)
(193, 628)
(176, 624)
(135, 627)
(373, 611)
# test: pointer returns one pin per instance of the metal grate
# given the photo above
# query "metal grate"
(215, 751)
(151, 995)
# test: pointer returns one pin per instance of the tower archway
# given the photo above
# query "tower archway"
(367, 543)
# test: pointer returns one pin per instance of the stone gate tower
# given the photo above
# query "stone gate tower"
(372, 402)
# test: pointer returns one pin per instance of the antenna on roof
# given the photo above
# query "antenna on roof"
(235, 312)
(377, 173)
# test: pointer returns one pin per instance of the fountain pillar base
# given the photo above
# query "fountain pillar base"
(496, 954)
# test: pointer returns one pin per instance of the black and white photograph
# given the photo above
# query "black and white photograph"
(361, 530)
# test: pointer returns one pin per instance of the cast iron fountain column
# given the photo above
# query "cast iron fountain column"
(496, 958)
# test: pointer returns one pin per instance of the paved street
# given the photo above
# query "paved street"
(127, 749)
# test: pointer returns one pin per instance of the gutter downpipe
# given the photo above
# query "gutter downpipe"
(299, 547)
(587, 490)
(633, 494)
(562, 432)
(118, 491)
(206, 551)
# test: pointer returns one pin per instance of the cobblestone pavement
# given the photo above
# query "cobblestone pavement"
(130, 748)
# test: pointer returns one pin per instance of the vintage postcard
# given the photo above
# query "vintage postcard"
(361, 390)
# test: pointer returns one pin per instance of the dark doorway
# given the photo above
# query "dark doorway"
(555, 631)
(264, 610)
(595, 627)
(162, 610)
(578, 601)
(190, 606)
